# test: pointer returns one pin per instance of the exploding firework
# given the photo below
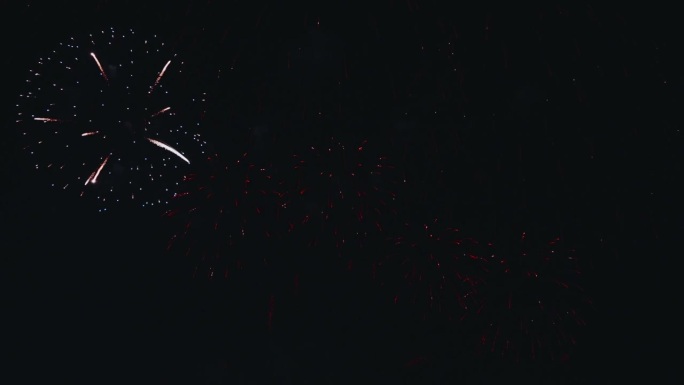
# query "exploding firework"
(229, 212)
(539, 303)
(100, 115)
(342, 196)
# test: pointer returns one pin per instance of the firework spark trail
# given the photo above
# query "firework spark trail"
(161, 74)
(93, 177)
(104, 75)
(169, 149)
(162, 111)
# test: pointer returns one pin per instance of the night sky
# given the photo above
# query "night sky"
(385, 192)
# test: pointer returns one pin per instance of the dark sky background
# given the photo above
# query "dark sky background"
(556, 120)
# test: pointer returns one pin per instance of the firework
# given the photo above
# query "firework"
(100, 115)
(224, 209)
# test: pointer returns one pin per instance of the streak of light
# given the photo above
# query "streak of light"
(93, 177)
(102, 71)
(161, 74)
(169, 149)
(163, 110)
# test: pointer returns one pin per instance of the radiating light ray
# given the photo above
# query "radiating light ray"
(161, 74)
(169, 149)
(162, 111)
(102, 71)
(93, 177)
